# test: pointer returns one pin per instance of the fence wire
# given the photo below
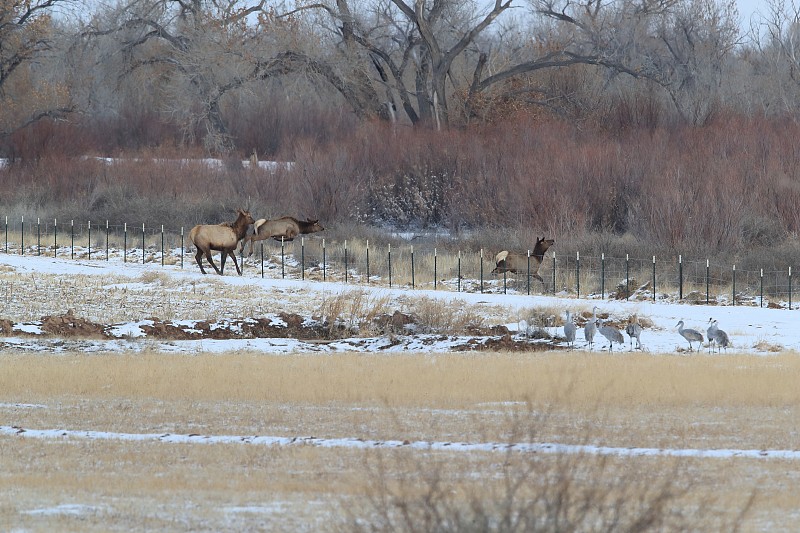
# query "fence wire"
(423, 267)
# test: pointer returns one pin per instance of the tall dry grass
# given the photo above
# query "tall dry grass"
(745, 402)
(580, 383)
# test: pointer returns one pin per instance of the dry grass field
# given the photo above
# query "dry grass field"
(685, 409)
(632, 401)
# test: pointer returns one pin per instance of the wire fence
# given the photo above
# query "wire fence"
(652, 278)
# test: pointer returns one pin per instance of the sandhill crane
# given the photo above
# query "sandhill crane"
(710, 334)
(690, 335)
(569, 330)
(633, 329)
(611, 333)
(717, 335)
(590, 328)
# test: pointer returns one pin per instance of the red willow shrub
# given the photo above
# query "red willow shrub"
(730, 185)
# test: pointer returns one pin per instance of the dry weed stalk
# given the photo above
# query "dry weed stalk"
(409, 492)
(353, 312)
(444, 317)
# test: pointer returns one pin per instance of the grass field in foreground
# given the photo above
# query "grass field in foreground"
(748, 402)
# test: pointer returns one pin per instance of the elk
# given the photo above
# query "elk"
(222, 237)
(513, 262)
(286, 227)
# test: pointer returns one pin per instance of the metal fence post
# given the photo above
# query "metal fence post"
(528, 284)
(554, 272)
(733, 291)
(578, 273)
(324, 262)
(762, 288)
(22, 234)
(303, 258)
(390, 265)
(790, 288)
(708, 275)
(38, 236)
(283, 268)
(142, 242)
(162, 246)
(6, 233)
(413, 281)
(72, 236)
(435, 270)
(55, 237)
(680, 277)
(90, 239)
(125, 242)
(182, 244)
(107, 230)
(654, 278)
(627, 277)
(459, 271)
(602, 276)
(481, 257)
(262, 259)
(345, 261)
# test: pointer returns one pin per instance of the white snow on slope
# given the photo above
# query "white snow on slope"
(550, 448)
(751, 329)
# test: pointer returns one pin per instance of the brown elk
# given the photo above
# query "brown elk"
(513, 262)
(222, 237)
(286, 227)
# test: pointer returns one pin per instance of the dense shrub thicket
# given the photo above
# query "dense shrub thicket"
(728, 187)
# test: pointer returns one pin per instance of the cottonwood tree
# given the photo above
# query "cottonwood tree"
(200, 50)
(440, 59)
(695, 43)
(27, 36)
(778, 59)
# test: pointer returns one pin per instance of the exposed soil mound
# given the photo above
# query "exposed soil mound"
(284, 325)
(68, 325)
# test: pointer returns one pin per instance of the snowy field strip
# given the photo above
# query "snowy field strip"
(356, 443)
(752, 329)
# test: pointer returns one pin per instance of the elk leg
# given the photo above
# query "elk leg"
(233, 256)
(211, 262)
(199, 258)
(223, 255)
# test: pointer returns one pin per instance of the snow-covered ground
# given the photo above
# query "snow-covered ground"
(761, 332)
(462, 447)
(751, 329)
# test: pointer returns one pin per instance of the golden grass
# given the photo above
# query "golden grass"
(579, 381)
(131, 486)
(631, 400)
(635, 400)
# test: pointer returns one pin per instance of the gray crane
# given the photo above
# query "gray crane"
(716, 335)
(634, 329)
(611, 333)
(590, 328)
(569, 330)
(690, 335)
(710, 334)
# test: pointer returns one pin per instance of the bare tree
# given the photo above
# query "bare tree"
(778, 59)
(442, 59)
(201, 49)
(27, 34)
(697, 39)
